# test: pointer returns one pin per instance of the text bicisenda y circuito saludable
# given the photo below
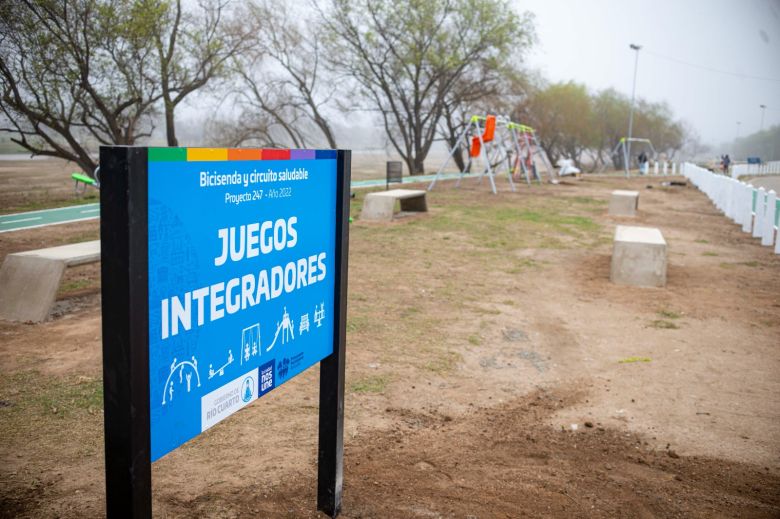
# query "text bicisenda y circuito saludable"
(246, 179)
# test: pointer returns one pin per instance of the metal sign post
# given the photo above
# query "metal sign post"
(394, 173)
(224, 274)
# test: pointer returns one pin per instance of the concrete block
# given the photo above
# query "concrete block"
(380, 206)
(73, 254)
(624, 203)
(29, 280)
(638, 257)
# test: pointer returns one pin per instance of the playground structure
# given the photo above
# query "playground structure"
(625, 146)
(502, 146)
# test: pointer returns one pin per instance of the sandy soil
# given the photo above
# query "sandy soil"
(492, 371)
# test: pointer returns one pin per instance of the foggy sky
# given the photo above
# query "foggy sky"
(588, 41)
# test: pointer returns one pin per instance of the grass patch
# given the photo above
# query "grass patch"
(45, 203)
(521, 265)
(409, 311)
(373, 384)
(700, 241)
(74, 285)
(709, 253)
(740, 264)
(84, 236)
(499, 226)
(663, 324)
(445, 363)
(669, 314)
(358, 323)
(631, 360)
(586, 200)
(476, 340)
(47, 396)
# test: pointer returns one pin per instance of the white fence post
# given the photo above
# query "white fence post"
(747, 207)
(758, 223)
(757, 211)
(655, 168)
(665, 166)
(768, 237)
(777, 240)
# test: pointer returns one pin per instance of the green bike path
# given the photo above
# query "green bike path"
(44, 217)
(77, 213)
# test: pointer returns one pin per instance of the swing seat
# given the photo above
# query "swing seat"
(490, 129)
(476, 147)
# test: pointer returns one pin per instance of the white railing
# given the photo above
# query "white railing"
(767, 168)
(756, 210)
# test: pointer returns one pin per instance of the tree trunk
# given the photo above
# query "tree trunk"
(170, 124)
(419, 167)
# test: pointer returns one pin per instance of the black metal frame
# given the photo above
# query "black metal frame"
(330, 457)
(125, 309)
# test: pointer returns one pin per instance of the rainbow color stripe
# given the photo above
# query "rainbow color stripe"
(231, 154)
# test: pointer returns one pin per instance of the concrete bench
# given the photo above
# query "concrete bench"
(638, 257)
(623, 203)
(381, 205)
(29, 280)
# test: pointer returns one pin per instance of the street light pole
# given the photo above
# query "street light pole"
(735, 142)
(763, 109)
(627, 147)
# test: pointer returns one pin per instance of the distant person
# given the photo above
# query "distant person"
(726, 162)
(644, 163)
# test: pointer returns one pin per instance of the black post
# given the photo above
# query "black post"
(124, 274)
(330, 459)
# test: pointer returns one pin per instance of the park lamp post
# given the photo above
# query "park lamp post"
(763, 109)
(627, 148)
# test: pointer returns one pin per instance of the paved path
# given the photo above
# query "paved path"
(32, 219)
(766, 182)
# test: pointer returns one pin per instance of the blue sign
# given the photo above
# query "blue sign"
(241, 281)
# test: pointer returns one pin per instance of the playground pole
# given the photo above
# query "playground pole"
(627, 148)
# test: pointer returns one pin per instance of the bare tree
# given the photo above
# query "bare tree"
(407, 56)
(192, 48)
(285, 89)
(71, 74)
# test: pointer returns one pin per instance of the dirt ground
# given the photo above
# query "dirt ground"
(492, 371)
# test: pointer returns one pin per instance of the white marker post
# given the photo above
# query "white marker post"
(768, 237)
(758, 224)
(655, 168)
(665, 168)
(747, 225)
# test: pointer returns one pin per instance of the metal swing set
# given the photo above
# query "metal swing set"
(625, 145)
(502, 146)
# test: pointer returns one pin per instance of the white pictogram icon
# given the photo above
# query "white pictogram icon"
(250, 343)
(303, 325)
(287, 329)
(185, 369)
(221, 370)
(319, 314)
